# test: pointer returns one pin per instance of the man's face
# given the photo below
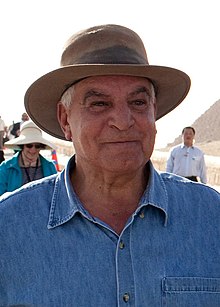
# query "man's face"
(112, 122)
(188, 136)
(24, 117)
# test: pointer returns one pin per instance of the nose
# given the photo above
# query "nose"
(33, 150)
(121, 118)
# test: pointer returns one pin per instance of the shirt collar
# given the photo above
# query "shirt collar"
(184, 146)
(156, 193)
(65, 203)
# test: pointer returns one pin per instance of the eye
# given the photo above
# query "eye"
(139, 104)
(98, 103)
(99, 106)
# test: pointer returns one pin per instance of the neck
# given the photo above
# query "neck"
(188, 144)
(112, 200)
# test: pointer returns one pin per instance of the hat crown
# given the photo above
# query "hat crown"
(30, 129)
(105, 44)
(104, 50)
(29, 133)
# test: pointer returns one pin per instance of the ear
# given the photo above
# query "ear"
(62, 116)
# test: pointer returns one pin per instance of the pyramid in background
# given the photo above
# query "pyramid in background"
(207, 126)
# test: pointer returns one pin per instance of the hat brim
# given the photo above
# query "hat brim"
(22, 140)
(42, 96)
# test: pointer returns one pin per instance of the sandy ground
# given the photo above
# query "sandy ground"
(158, 158)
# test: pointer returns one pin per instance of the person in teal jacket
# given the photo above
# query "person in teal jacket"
(27, 164)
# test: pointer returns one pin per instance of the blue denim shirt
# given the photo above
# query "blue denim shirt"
(54, 253)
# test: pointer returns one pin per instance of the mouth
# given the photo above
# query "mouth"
(121, 144)
(121, 140)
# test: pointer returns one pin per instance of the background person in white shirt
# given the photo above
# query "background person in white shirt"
(186, 159)
(3, 130)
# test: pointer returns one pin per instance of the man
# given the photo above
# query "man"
(186, 159)
(3, 130)
(15, 129)
(109, 230)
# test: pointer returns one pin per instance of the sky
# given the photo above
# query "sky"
(179, 34)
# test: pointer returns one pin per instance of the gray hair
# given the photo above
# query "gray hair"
(67, 96)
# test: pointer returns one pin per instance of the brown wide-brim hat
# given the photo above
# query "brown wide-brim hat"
(102, 51)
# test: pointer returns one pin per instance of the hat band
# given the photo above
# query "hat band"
(113, 55)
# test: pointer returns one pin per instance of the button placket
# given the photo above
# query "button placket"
(125, 270)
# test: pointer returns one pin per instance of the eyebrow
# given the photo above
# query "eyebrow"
(140, 90)
(95, 93)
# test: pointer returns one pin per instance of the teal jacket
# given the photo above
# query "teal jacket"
(11, 174)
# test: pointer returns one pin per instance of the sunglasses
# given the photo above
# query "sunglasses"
(37, 146)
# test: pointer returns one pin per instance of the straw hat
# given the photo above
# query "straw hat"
(102, 50)
(29, 133)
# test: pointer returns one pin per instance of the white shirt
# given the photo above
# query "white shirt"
(187, 161)
(2, 125)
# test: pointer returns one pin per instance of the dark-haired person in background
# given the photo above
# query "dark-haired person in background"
(15, 128)
(187, 160)
(3, 130)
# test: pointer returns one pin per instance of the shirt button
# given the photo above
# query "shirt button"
(141, 215)
(121, 245)
(126, 297)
